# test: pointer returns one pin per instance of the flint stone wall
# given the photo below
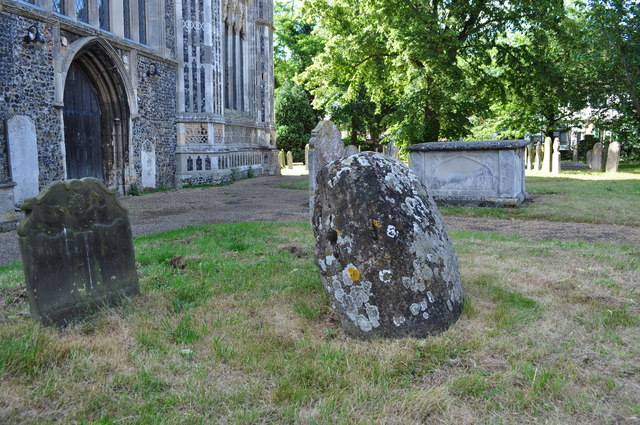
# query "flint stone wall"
(480, 173)
(77, 250)
(385, 257)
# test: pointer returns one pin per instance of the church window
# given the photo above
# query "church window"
(126, 18)
(103, 14)
(142, 21)
(82, 10)
(58, 6)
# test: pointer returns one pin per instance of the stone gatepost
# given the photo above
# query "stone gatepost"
(555, 160)
(613, 157)
(546, 159)
(596, 162)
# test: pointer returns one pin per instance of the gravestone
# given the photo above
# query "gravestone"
(289, 160)
(77, 250)
(148, 163)
(281, 158)
(526, 157)
(530, 157)
(555, 160)
(546, 159)
(325, 146)
(596, 161)
(385, 258)
(23, 157)
(590, 158)
(613, 157)
(351, 150)
(536, 165)
(306, 156)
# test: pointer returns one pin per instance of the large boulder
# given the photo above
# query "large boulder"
(384, 254)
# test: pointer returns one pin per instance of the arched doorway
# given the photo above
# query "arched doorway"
(96, 118)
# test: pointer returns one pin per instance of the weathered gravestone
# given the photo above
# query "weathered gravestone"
(289, 160)
(385, 257)
(351, 150)
(555, 160)
(281, 158)
(306, 156)
(536, 165)
(596, 159)
(590, 158)
(325, 146)
(77, 250)
(613, 157)
(530, 157)
(23, 157)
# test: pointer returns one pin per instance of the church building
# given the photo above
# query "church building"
(137, 93)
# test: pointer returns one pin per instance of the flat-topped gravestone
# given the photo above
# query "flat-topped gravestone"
(536, 165)
(77, 250)
(477, 173)
(385, 258)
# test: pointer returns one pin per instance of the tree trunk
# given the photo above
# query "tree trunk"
(431, 124)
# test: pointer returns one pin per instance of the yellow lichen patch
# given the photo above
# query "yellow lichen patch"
(354, 273)
(376, 223)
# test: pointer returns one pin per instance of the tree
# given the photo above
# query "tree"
(430, 58)
(295, 42)
(614, 61)
(295, 118)
(545, 82)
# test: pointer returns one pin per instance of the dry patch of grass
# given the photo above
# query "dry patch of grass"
(237, 329)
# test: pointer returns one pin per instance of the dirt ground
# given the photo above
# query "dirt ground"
(260, 199)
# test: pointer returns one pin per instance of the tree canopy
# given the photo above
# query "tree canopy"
(426, 70)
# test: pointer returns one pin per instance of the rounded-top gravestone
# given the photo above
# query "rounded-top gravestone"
(77, 250)
(386, 259)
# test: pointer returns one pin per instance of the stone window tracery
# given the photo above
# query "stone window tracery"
(234, 45)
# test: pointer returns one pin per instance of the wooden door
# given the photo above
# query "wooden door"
(82, 126)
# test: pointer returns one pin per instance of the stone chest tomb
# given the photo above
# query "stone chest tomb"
(77, 250)
(480, 173)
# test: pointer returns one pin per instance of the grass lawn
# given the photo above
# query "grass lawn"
(575, 196)
(233, 326)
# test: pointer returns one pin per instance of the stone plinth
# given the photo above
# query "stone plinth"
(476, 173)
(77, 250)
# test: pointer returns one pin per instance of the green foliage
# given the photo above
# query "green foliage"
(295, 44)
(431, 60)
(295, 118)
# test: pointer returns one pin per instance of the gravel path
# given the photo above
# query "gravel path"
(261, 199)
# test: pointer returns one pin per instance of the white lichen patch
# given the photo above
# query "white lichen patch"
(449, 305)
(335, 179)
(412, 284)
(417, 308)
(385, 275)
(431, 298)
(346, 242)
(425, 315)
(399, 320)
(392, 232)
